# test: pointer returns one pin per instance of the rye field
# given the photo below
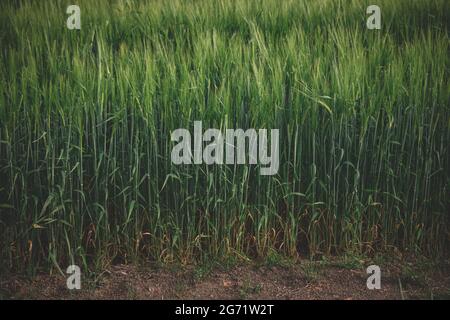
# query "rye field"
(86, 118)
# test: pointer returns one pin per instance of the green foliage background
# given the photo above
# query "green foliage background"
(86, 116)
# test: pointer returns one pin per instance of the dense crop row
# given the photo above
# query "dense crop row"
(86, 117)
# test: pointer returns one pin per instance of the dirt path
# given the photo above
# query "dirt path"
(299, 281)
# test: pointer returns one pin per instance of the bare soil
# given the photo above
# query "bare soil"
(242, 281)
